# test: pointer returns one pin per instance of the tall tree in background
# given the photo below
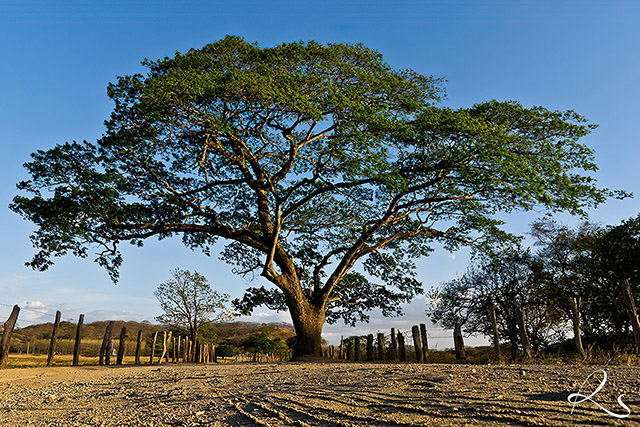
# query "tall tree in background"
(189, 302)
(507, 279)
(307, 160)
(611, 257)
(564, 253)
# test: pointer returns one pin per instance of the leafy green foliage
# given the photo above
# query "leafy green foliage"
(261, 343)
(613, 255)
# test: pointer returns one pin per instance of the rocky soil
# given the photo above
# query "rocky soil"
(315, 394)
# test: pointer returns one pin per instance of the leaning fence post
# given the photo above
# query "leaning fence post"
(458, 342)
(169, 339)
(107, 356)
(164, 346)
(104, 348)
(54, 337)
(153, 348)
(370, 347)
(631, 311)
(138, 344)
(417, 344)
(6, 335)
(381, 353)
(496, 337)
(394, 344)
(402, 348)
(425, 343)
(123, 334)
(76, 345)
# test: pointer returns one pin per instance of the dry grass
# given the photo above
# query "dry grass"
(34, 361)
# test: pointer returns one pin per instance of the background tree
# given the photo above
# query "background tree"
(611, 256)
(563, 253)
(506, 278)
(262, 343)
(189, 302)
(308, 160)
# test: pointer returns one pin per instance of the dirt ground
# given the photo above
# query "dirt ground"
(315, 394)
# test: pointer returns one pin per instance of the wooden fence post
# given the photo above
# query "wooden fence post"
(178, 351)
(458, 342)
(341, 356)
(164, 346)
(524, 338)
(123, 334)
(394, 344)
(169, 340)
(629, 302)
(381, 352)
(173, 350)
(574, 303)
(105, 351)
(425, 342)
(138, 344)
(76, 345)
(401, 347)
(369, 347)
(358, 358)
(496, 337)
(54, 337)
(417, 343)
(6, 335)
(350, 350)
(107, 356)
(153, 348)
(214, 356)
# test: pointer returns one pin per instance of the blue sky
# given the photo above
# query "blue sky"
(56, 59)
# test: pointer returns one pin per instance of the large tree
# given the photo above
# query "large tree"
(308, 160)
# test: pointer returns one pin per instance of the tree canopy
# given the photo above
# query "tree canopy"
(308, 160)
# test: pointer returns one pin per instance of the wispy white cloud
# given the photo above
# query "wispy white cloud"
(97, 315)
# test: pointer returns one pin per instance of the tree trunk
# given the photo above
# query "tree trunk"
(575, 318)
(496, 337)
(308, 321)
(631, 311)
(458, 342)
(522, 327)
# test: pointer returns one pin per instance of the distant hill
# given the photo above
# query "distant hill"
(235, 330)
(95, 330)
